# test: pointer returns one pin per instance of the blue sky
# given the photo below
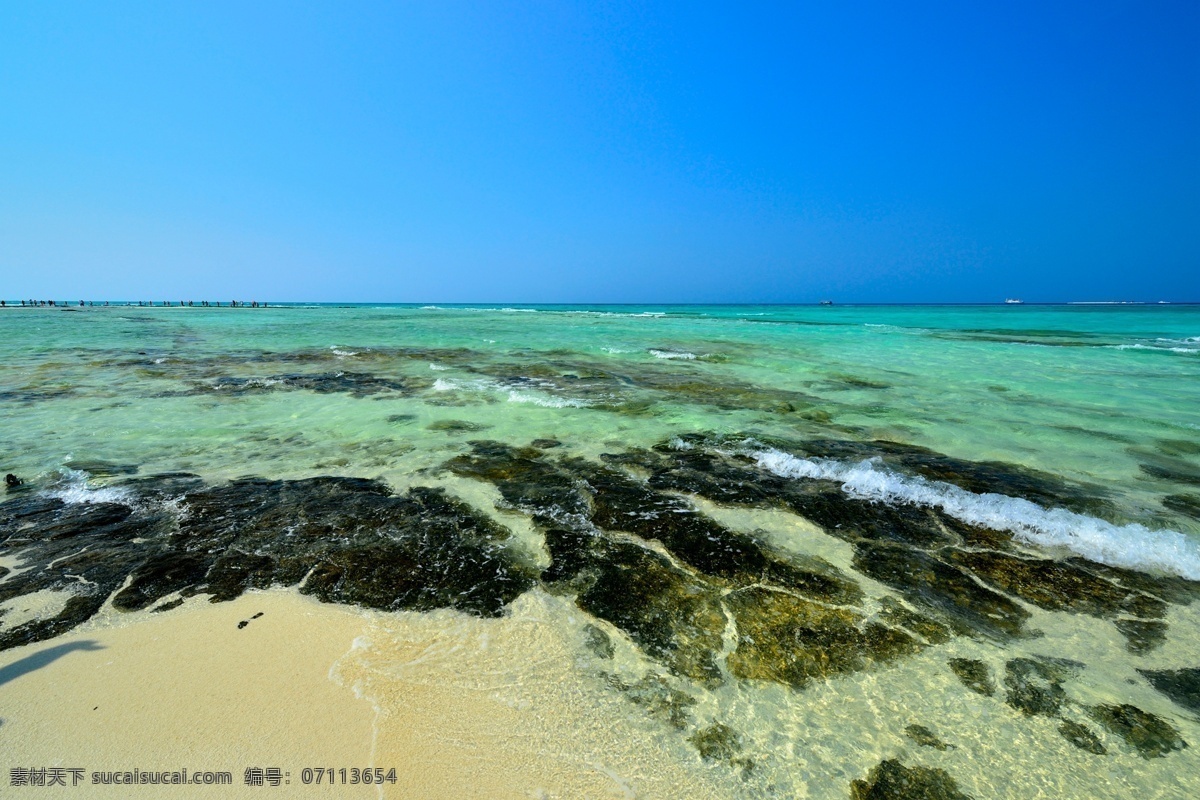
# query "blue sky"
(600, 152)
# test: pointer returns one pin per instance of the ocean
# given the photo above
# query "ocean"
(709, 551)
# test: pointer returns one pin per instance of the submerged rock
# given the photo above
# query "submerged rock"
(456, 426)
(791, 640)
(1142, 636)
(1185, 504)
(101, 469)
(356, 384)
(891, 780)
(896, 613)
(925, 737)
(676, 606)
(1082, 737)
(1054, 585)
(1181, 685)
(1151, 736)
(719, 742)
(975, 675)
(674, 617)
(925, 580)
(659, 698)
(1035, 684)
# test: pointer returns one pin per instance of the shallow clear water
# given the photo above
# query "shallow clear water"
(1105, 400)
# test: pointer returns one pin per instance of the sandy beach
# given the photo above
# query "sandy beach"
(314, 685)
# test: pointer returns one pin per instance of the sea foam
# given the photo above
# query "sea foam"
(1132, 545)
(74, 489)
(542, 400)
(673, 354)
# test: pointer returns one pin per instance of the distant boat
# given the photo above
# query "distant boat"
(826, 302)
(1013, 301)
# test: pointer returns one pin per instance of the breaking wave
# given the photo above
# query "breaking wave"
(1132, 545)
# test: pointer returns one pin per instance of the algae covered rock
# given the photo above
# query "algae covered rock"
(1150, 735)
(719, 742)
(891, 780)
(785, 638)
(926, 581)
(925, 737)
(975, 675)
(671, 615)
(1035, 684)
(1082, 737)
(354, 539)
(1181, 685)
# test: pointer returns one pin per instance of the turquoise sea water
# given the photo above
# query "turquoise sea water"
(1090, 415)
(1109, 395)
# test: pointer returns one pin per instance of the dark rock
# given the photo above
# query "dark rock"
(925, 737)
(357, 542)
(621, 503)
(545, 444)
(1082, 737)
(77, 610)
(84, 519)
(162, 574)
(525, 480)
(163, 486)
(1142, 636)
(167, 606)
(1151, 736)
(849, 518)
(1181, 685)
(891, 780)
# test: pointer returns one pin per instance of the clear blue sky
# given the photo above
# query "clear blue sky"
(600, 152)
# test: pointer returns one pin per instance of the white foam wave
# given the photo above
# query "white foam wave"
(438, 368)
(75, 489)
(1157, 349)
(1132, 545)
(343, 353)
(615, 350)
(543, 400)
(673, 354)
(443, 385)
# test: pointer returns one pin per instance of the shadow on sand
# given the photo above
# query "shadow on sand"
(43, 657)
